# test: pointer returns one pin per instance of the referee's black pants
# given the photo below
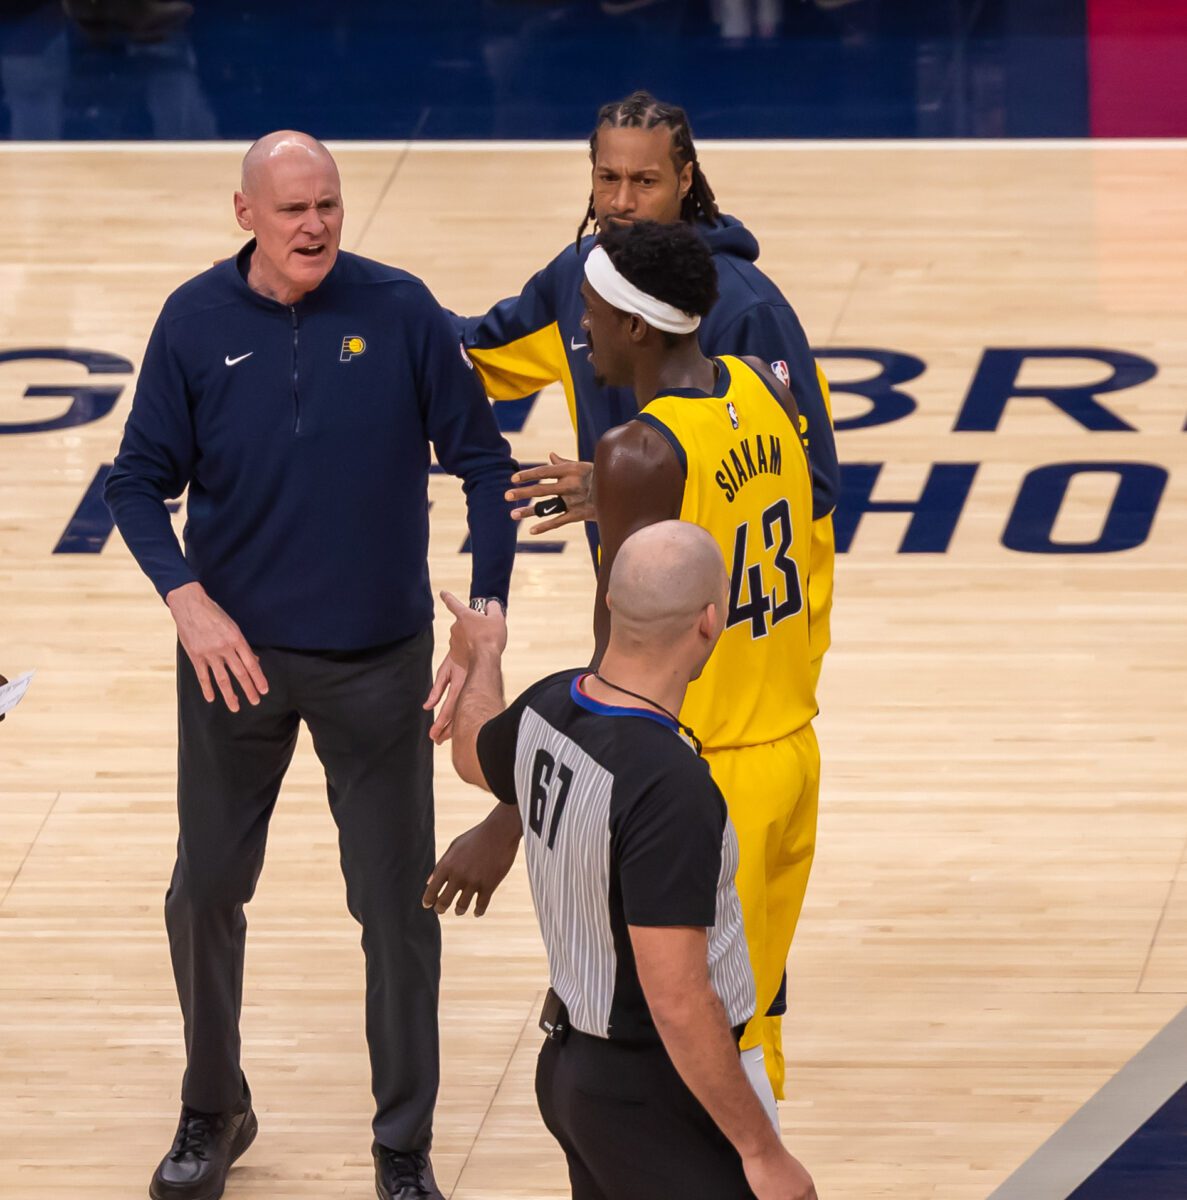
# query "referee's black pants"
(364, 712)
(629, 1126)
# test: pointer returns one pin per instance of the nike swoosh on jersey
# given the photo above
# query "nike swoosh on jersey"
(576, 345)
(232, 361)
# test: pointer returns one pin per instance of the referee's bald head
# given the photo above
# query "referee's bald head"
(662, 584)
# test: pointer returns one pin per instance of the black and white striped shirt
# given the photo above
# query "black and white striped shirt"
(623, 825)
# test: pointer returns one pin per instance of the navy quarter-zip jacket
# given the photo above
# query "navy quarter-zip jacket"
(303, 435)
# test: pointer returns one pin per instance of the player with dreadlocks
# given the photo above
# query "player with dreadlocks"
(642, 111)
(644, 167)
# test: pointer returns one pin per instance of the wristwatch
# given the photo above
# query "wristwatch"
(479, 603)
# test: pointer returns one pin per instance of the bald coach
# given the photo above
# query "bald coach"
(295, 390)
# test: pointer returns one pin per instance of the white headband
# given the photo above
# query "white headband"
(618, 291)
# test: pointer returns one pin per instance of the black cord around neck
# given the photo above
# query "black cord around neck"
(692, 737)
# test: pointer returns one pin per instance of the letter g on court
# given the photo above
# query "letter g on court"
(88, 402)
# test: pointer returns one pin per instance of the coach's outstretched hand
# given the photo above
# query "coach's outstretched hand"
(571, 481)
(476, 862)
(215, 646)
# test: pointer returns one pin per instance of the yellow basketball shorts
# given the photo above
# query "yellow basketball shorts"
(772, 791)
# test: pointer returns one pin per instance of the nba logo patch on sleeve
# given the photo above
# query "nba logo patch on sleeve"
(781, 372)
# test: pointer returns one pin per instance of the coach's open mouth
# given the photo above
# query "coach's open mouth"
(311, 251)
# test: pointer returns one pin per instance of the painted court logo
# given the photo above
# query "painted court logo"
(933, 498)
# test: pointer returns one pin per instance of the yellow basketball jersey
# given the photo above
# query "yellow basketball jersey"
(748, 483)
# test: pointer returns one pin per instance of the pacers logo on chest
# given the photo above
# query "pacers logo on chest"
(352, 347)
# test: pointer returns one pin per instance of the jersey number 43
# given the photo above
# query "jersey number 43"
(747, 577)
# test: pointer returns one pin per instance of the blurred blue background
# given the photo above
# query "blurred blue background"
(532, 69)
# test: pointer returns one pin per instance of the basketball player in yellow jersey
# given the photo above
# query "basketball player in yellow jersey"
(716, 443)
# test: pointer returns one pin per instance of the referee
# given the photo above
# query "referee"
(631, 859)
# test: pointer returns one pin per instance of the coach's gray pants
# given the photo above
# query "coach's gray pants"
(364, 712)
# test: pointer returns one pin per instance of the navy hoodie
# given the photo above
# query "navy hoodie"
(536, 338)
(303, 435)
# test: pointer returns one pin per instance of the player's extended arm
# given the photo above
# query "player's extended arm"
(517, 345)
(561, 478)
(672, 962)
(638, 482)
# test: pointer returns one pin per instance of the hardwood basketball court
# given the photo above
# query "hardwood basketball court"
(997, 920)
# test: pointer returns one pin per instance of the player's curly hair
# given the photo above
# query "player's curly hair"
(673, 263)
(641, 110)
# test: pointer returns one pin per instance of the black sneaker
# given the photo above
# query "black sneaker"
(404, 1175)
(205, 1147)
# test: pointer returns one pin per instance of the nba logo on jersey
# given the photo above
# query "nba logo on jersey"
(781, 372)
(733, 413)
